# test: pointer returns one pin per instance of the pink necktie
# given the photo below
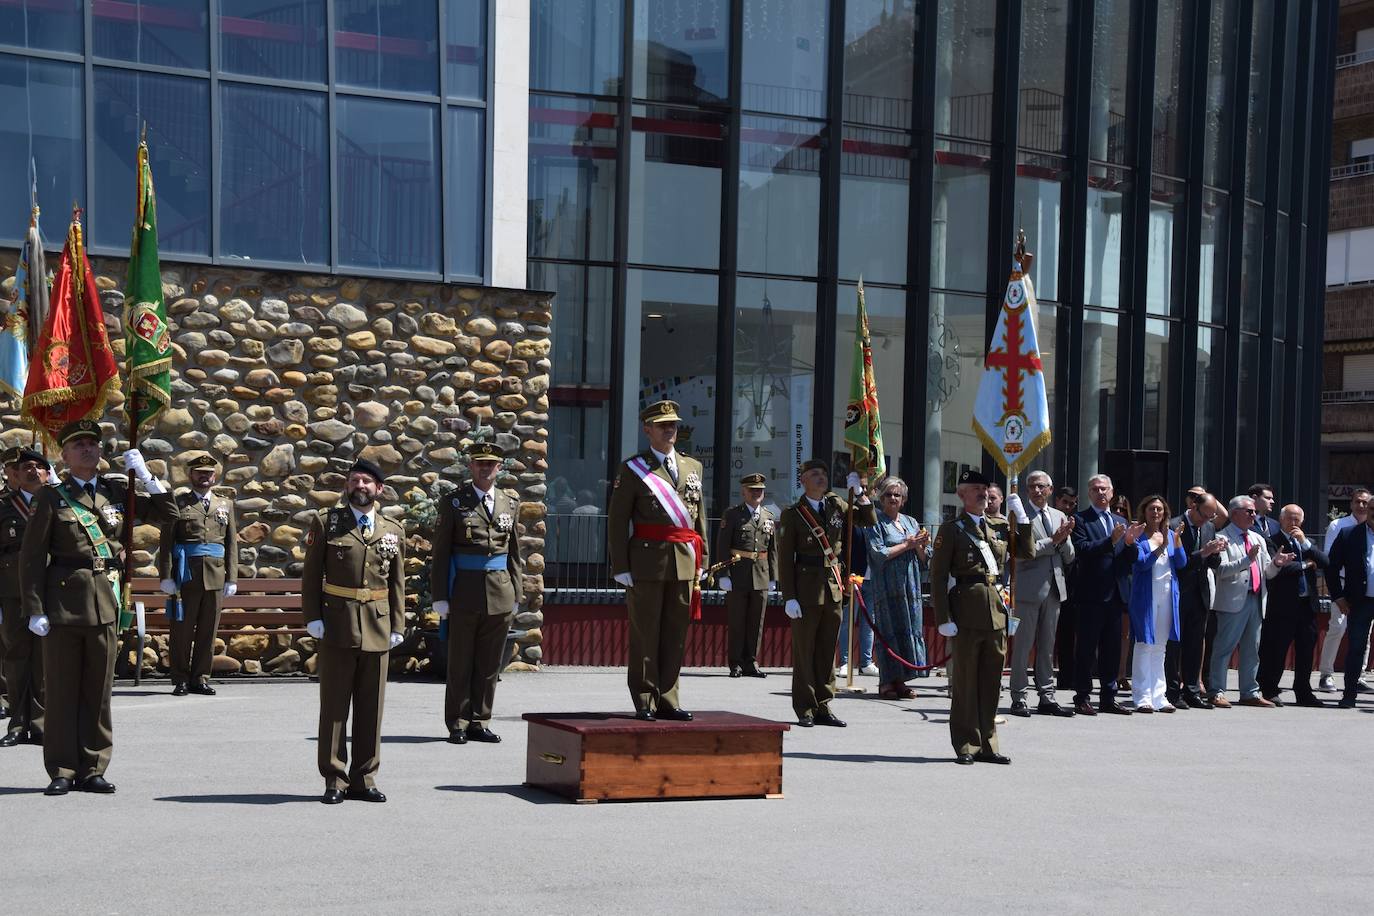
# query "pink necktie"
(1254, 570)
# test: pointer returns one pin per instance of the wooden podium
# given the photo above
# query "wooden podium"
(595, 756)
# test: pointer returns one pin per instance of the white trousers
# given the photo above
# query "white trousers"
(1147, 675)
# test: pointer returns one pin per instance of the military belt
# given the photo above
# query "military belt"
(357, 594)
(974, 580)
(95, 564)
(806, 559)
(749, 554)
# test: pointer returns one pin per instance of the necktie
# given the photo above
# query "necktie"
(205, 503)
(1254, 570)
(90, 490)
(365, 523)
(1107, 524)
(671, 464)
(487, 505)
(1302, 573)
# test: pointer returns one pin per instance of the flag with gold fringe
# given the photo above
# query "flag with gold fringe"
(23, 311)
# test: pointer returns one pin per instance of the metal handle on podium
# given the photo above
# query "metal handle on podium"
(555, 759)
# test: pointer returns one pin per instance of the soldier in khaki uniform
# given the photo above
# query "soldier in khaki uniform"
(811, 577)
(198, 558)
(68, 571)
(23, 654)
(969, 551)
(475, 581)
(657, 525)
(748, 536)
(353, 601)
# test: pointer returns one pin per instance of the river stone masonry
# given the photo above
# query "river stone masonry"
(287, 378)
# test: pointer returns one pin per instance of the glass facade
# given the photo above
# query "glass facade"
(347, 136)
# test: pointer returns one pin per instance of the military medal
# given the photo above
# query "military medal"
(389, 546)
(111, 514)
(503, 521)
(693, 485)
(222, 514)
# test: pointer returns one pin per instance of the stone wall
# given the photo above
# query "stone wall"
(287, 378)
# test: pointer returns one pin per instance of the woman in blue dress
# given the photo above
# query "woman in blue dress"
(892, 590)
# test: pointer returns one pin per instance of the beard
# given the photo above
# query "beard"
(361, 499)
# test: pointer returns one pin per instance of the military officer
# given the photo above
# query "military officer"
(10, 484)
(811, 576)
(69, 576)
(475, 581)
(353, 601)
(23, 655)
(969, 551)
(197, 561)
(657, 520)
(748, 537)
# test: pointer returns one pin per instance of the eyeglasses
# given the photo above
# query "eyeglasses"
(1247, 511)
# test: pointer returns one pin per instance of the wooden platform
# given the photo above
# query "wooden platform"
(596, 756)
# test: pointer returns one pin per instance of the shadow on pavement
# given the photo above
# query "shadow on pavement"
(16, 790)
(246, 798)
(525, 793)
(865, 758)
(124, 692)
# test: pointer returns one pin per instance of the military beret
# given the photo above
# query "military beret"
(754, 481)
(816, 464)
(972, 476)
(664, 411)
(29, 454)
(79, 429)
(485, 451)
(363, 466)
(10, 455)
(202, 461)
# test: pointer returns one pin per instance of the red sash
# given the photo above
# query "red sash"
(672, 534)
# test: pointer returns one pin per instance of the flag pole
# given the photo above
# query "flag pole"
(1024, 259)
(131, 419)
(850, 655)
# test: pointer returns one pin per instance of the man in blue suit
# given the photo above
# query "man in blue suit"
(1350, 577)
(1102, 586)
(1265, 524)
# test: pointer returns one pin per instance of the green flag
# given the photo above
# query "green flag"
(148, 343)
(863, 430)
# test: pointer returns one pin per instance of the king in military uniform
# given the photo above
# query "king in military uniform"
(475, 581)
(198, 564)
(657, 540)
(23, 654)
(353, 601)
(968, 551)
(69, 575)
(748, 535)
(811, 576)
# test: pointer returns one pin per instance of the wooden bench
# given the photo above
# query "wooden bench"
(260, 604)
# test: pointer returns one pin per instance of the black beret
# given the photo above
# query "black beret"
(29, 454)
(363, 466)
(972, 476)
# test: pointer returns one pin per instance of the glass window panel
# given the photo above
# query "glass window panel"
(1160, 393)
(466, 192)
(1107, 189)
(774, 396)
(1039, 203)
(673, 355)
(1291, 134)
(1257, 113)
(1211, 298)
(1164, 270)
(784, 56)
(1044, 55)
(579, 437)
(274, 174)
(49, 25)
(387, 44)
(284, 41)
(177, 112)
(1281, 291)
(875, 173)
(465, 52)
(958, 328)
(1221, 54)
(779, 195)
(1248, 428)
(48, 95)
(1046, 335)
(1098, 394)
(169, 33)
(1169, 125)
(388, 184)
(964, 68)
(581, 323)
(1209, 423)
(682, 50)
(1251, 265)
(879, 58)
(572, 178)
(887, 329)
(1107, 88)
(1280, 423)
(675, 163)
(575, 45)
(959, 217)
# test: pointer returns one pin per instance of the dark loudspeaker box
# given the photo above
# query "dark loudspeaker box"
(1138, 473)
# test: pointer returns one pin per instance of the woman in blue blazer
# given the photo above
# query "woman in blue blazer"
(1154, 603)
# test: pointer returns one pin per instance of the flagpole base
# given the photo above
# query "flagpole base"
(844, 689)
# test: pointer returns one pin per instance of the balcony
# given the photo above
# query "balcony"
(1354, 93)
(1349, 422)
(1348, 397)
(1352, 196)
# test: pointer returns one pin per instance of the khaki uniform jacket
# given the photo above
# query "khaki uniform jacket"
(68, 593)
(13, 521)
(335, 552)
(757, 532)
(199, 525)
(464, 528)
(972, 605)
(802, 573)
(632, 503)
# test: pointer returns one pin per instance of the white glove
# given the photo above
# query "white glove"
(133, 461)
(39, 626)
(793, 609)
(702, 576)
(724, 583)
(315, 628)
(231, 589)
(168, 587)
(2, 615)
(772, 586)
(1017, 510)
(625, 579)
(397, 639)
(853, 482)
(948, 629)
(441, 608)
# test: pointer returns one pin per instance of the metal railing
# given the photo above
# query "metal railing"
(1354, 58)
(1352, 170)
(1352, 396)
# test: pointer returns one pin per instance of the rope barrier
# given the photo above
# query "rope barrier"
(877, 634)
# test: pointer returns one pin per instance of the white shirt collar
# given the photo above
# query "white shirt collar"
(482, 494)
(370, 515)
(977, 519)
(28, 497)
(664, 456)
(82, 483)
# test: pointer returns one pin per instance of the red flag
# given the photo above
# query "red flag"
(73, 369)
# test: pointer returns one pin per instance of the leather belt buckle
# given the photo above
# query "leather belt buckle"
(98, 564)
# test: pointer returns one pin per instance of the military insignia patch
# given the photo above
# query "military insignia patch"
(310, 537)
(836, 520)
(504, 521)
(457, 503)
(389, 546)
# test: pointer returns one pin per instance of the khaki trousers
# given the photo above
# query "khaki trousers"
(476, 642)
(660, 613)
(193, 637)
(78, 673)
(23, 667)
(814, 637)
(978, 657)
(351, 677)
(744, 613)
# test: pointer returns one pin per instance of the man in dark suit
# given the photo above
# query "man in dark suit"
(1292, 617)
(1183, 659)
(1263, 495)
(1350, 578)
(1102, 588)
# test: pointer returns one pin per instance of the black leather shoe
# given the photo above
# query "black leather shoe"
(1054, 709)
(644, 715)
(1275, 700)
(1346, 703)
(806, 721)
(332, 796)
(180, 690)
(990, 757)
(674, 715)
(370, 794)
(1115, 709)
(59, 786)
(1311, 701)
(34, 738)
(753, 671)
(483, 734)
(204, 690)
(1196, 701)
(964, 760)
(826, 717)
(1019, 708)
(12, 739)
(96, 784)
(735, 671)
(457, 736)
(1084, 708)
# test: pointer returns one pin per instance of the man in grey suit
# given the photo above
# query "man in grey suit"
(1240, 600)
(1040, 586)
(1183, 658)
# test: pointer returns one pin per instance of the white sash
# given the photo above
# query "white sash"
(983, 547)
(667, 497)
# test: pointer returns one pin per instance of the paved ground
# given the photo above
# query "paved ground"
(1228, 811)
